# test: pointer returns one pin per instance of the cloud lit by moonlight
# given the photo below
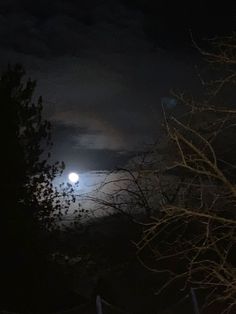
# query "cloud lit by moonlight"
(73, 177)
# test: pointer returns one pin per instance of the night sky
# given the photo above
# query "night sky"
(103, 67)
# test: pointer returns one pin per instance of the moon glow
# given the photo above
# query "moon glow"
(73, 177)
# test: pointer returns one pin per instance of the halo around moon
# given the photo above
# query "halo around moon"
(73, 177)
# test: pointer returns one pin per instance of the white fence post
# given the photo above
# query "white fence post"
(98, 305)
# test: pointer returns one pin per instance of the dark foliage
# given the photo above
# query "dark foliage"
(29, 206)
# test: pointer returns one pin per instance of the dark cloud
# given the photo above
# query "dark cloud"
(69, 147)
(103, 68)
(57, 28)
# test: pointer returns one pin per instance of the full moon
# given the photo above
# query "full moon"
(73, 177)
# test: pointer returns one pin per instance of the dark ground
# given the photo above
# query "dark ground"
(101, 259)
